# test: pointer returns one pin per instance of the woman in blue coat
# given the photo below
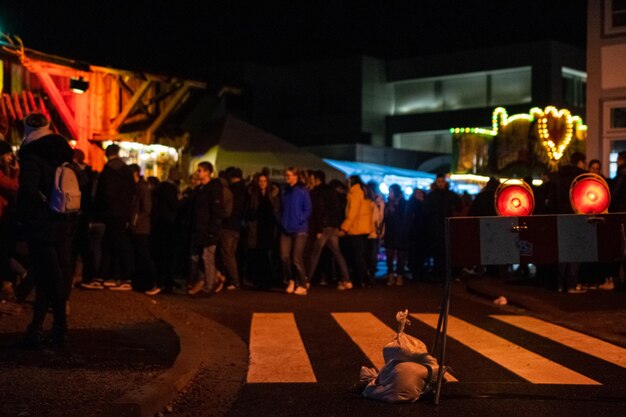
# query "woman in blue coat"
(295, 211)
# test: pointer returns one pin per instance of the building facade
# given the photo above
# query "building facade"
(606, 97)
(370, 108)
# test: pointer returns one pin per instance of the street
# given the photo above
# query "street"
(502, 359)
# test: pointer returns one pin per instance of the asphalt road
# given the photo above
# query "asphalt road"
(502, 368)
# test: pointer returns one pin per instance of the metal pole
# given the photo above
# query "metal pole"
(443, 315)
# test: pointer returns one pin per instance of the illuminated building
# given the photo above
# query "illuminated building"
(398, 112)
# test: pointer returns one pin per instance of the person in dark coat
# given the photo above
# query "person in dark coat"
(559, 203)
(417, 234)
(49, 234)
(207, 213)
(396, 235)
(325, 224)
(145, 276)
(230, 231)
(484, 203)
(618, 186)
(440, 204)
(112, 206)
(165, 205)
(262, 232)
(9, 172)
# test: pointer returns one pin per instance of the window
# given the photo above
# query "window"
(614, 122)
(428, 141)
(574, 87)
(464, 92)
(417, 97)
(511, 87)
(614, 16)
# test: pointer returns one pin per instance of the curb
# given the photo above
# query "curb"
(202, 341)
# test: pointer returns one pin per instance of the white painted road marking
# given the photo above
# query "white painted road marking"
(526, 364)
(277, 353)
(370, 335)
(570, 338)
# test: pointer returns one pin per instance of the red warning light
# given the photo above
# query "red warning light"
(514, 198)
(589, 194)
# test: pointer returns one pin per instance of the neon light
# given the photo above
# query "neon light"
(500, 119)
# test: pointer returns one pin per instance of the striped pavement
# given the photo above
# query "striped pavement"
(278, 352)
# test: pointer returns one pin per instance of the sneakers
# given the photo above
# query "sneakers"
(196, 288)
(300, 291)
(232, 287)
(153, 291)
(578, 289)
(109, 283)
(291, 286)
(344, 285)
(124, 286)
(95, 285)
(399, 281)
(219, 284)
(608, 285)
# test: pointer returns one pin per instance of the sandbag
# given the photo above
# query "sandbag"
(409, 369)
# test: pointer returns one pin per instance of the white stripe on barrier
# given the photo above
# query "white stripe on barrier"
(578, 239)
(498, 244)
(526, 364)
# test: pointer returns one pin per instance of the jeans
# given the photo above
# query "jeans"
(329, 237)
(229, 239)
(401, 256)
(291, 255)
(208, 262)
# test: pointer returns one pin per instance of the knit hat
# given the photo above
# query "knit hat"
(5, 147)
(36, 126)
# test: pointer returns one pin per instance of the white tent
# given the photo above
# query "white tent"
(229, 141)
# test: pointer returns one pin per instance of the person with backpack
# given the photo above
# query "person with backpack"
(48, 233)
(112, 206)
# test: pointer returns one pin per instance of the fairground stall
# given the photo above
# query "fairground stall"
(519, 145)
(91, 104)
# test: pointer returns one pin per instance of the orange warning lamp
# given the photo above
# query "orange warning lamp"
(589, 194)
(514, 198)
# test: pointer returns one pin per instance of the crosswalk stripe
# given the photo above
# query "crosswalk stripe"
(526, 364)
(570, 338)
(370, 334)
(277, 353)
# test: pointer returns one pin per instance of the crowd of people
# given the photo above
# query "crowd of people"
(221, 230)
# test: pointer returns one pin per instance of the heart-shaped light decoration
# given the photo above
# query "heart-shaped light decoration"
(555, 128)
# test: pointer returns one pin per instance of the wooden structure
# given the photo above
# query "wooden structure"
(116, 105)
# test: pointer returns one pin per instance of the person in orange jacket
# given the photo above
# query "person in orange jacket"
(357, 226)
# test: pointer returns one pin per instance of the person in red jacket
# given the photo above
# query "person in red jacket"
(9, 171)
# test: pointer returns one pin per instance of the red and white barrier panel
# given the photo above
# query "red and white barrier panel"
(542, 239)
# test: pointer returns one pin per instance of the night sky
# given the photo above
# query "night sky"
(187, 38)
